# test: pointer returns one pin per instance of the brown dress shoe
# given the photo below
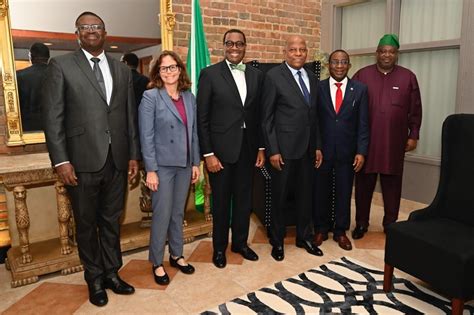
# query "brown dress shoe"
(320, 238)
(343, 242)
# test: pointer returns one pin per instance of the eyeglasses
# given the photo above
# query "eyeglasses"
(343, 62)
(171, 68)
(91, 27)
(230, 44)
(295, 50)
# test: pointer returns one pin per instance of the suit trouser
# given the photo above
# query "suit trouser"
(324, 187)
(97, 203)
(302, 170)
(391, 193)
(232, 200)
(168, 204)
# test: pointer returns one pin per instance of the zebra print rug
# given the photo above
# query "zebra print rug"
(341, 286)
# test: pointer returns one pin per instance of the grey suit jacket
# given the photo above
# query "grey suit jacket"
(78, 123)
(163, 133)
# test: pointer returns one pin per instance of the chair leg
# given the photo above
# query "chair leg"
(387, 278)
(457, 306)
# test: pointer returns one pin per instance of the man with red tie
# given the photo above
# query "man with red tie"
(343, 120)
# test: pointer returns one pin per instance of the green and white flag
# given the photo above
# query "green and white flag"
(198, 54)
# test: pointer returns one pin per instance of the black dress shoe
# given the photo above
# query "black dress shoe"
(161, 280)
(188, 269)
(310, 247)
(97, 294)
(277, 253)
(359, 232)
(246, 252)
(219, 260)
(117, 285)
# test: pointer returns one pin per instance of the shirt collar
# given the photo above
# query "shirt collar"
(89, 55)
(332, 81)
(294, 71)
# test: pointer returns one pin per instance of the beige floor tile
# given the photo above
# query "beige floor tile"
(206, 287)
(371, 240)
(210, 286)
(141, 302)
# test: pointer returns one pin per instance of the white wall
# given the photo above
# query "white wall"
(128, 18)
(149, 51)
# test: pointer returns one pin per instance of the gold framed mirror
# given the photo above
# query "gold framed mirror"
(12, 108)
(15, 136)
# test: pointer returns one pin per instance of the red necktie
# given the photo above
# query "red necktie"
(338, 96)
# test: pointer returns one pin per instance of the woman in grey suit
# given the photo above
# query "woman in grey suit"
(170, 148)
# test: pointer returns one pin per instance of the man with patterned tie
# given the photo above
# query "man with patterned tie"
(292, 142)
(229, 129)
(343, 116)
(90, 123)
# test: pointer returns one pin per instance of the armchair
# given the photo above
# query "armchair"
(436, 244)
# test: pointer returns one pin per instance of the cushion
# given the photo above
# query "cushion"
(439, 251)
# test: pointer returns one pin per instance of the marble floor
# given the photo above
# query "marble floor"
(206, 288)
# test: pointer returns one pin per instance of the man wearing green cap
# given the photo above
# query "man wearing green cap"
(394, 120)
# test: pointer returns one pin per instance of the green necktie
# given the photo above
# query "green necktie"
(240, 66)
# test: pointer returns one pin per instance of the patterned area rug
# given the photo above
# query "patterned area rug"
(342, 286)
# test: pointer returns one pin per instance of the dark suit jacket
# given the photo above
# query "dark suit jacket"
(78, 122)
(290, 125)
(346, 133)
(139, 85)
(30, 84)
(221, 113)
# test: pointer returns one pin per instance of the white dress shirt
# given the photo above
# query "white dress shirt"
(333, 88)
(104, 67)
(239, 78)
(304, 74)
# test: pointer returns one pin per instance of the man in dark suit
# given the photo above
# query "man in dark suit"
(292, 142)
(344, 125)
(228, 105)
(30, 85)
(91, 132)
(140, 81)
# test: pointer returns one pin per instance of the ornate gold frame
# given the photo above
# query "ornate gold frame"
(15, 135)
(167, 22)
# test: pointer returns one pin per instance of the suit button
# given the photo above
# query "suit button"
(337, 120)
(107, 131)
(171, 141)
(172, 126)
(108, 110)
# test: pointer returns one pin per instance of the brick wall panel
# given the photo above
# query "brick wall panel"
(266, 24)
